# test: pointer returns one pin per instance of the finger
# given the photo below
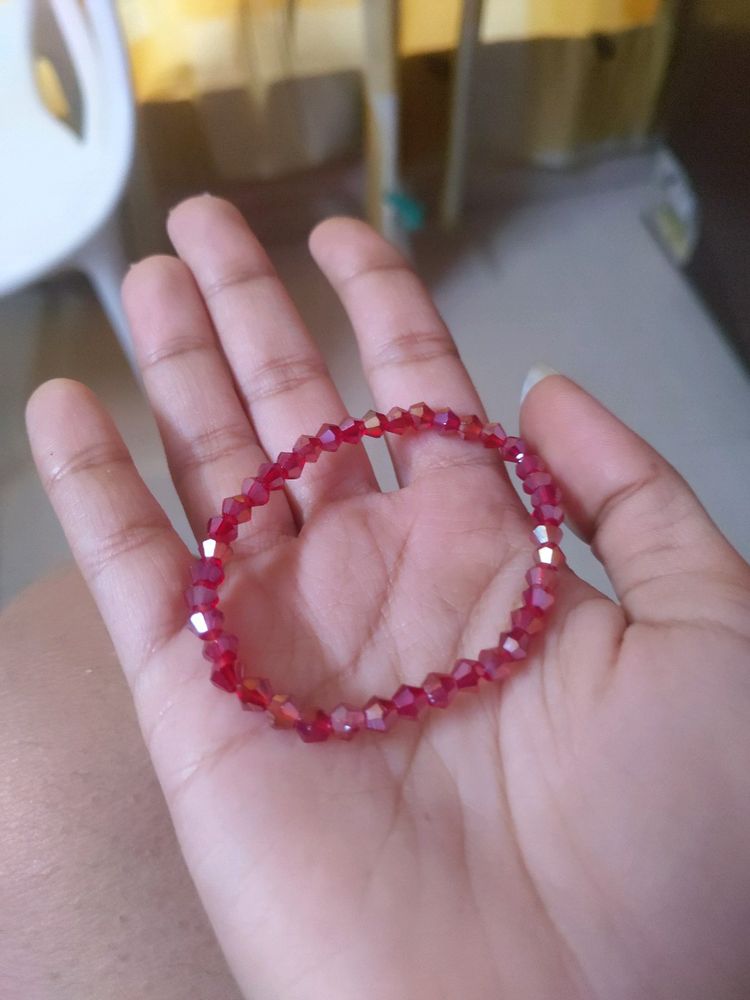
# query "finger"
(128, 552)
(209, 442)
(279, 371)
(643, 521)
(407, 352)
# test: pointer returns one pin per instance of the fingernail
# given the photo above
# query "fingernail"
(536, 373)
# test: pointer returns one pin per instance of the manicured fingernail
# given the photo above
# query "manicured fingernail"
(536, 373)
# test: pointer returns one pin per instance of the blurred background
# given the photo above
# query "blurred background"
(568, 176)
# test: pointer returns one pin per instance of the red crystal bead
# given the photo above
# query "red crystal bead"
(224, 675)
(207, 572)
(535, 480)
(446, 421)
(255, 693)
(546, 494)
(315, 730)
(291, 464)
(440, 689)
(538, 597)
(528, 465)
(223, 529)
(237, 508)
(329, 437)
(308, 448)
(410, 701)
(207, 624)
(513, 644)
(282, 712)
(352, 430)
(529, 619)
(548, 513)
(380, 715)
(270, 475)
(399, 421)
(422, 415)
(346, 721)
(470, 428)
(466, 673)
(257, 493)
(494, 667)
(225, 644)
(547, 534)
(550, 555)
(492, 436)
(542, 576)
(375, 424)
(199, 598)
(513, 450)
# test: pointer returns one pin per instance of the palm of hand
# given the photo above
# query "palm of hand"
(532, 841)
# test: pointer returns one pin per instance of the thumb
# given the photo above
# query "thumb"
(657, 543)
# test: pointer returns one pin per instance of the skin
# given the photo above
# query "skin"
(581, 831)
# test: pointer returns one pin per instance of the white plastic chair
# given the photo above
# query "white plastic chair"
(59, 191)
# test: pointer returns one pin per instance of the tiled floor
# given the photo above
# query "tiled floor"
(571, 278)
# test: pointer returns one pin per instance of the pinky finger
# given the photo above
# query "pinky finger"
(126, 548)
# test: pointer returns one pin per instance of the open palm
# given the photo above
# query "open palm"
(581, 831)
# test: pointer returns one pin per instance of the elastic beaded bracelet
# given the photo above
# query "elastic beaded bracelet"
(438, 689)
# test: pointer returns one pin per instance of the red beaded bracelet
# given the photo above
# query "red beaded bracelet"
(437, 690)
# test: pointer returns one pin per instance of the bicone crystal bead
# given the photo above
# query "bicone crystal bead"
(315, 730)
(375, 424)
(291, 464)
(282, 712)
(380, 715)
(528, 618)
(347, 721)
(446, 421)
(535, 480)
(308, 448)
(494, 667)
(514, 450)
(542, 576)
(547, 534)
(255, 693)
(422, 414)
(239, 508)
(352, 430)
(224, 674)
(528, 465)
(257, 493)
(223, 529)
(538, 597)
(207, 624)
(200, 598)
(225, 644)
(271, 475)
(493, 436)
(440, 689)
(207, 573)
(513, 644)
(329, 437)
(548, 513)
(466, 673)
(399, 420)
(549, 555)
(546, 494)
(470, 428)
(410, 701)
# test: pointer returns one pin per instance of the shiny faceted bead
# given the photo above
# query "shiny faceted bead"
(422, 415)
(513, 644)
(282, 712)
(470, 428)
(315, 730)
(538, 597)
(513, 450)
(528, 465)
(529, 619)
(446, 421)
(542, 576)
(224, 674)
(494, 667)
(550, 555)
(399, 421)
(291, 464)
(493, 436)
(466, 673)
(548, 513)
(346, 721)
(546, 494)
(440, 689)
(207, 624)
(352, 430)
(255, 693)
(329, 437)
(535, 480)
(223, 645)
(308, 448)
(237, 507)
(547, 534)
(271, 475)
(200, 598)
(207, 572)
(257, 493)
(375, 424)
(211, 548)
(410, 701)
(380, 715)
(223, 529)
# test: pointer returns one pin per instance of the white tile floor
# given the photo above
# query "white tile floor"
(572, 279)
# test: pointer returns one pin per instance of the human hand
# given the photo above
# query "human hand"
(581, 831)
